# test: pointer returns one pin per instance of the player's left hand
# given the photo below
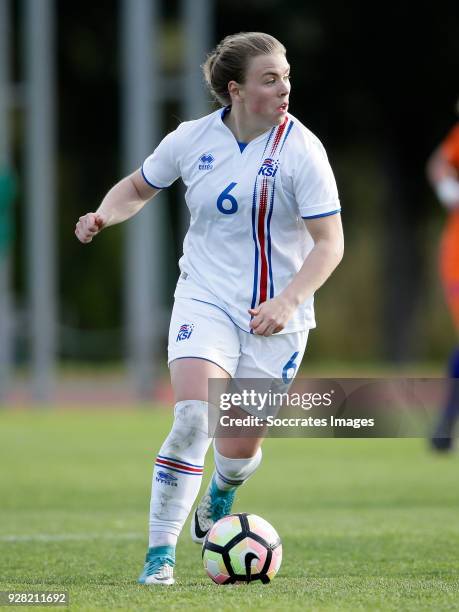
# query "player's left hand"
(271, 317)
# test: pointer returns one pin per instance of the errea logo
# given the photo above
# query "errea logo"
(206, 161)
(166, 478)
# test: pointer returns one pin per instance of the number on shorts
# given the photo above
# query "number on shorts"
(289, 369)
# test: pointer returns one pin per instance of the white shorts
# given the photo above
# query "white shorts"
(204, 331)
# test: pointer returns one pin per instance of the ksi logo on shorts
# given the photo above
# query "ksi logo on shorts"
(185, 332)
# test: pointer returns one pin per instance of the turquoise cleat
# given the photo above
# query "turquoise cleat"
(213, 506)
(159, 566)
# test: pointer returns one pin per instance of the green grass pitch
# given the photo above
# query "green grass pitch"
(365, 524)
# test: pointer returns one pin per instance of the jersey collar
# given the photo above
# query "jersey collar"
(221, 113)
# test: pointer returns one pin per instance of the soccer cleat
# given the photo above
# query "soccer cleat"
(213, 506)
(159, 566)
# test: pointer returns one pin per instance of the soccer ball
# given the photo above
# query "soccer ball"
(242, 548)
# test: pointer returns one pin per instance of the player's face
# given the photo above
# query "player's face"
(266, 89)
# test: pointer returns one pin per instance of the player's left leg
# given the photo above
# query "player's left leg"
(237, 457)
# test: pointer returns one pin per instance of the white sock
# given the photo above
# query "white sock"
(178, 471)
(231, 473)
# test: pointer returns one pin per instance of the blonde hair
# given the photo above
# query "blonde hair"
(230, 58)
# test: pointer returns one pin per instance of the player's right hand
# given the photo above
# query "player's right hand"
(88, 226)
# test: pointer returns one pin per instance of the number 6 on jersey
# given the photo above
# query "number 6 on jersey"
(225, 197)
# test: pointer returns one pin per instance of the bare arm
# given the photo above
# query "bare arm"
(327, 232)
(123, 201)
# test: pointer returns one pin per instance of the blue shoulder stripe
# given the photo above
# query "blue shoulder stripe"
(327, 214)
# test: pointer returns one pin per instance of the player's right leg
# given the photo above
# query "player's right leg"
(177, 476)
(199, 336)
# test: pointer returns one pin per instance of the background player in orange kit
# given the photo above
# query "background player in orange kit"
(443, 174)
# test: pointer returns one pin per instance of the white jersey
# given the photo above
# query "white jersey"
(247, 238)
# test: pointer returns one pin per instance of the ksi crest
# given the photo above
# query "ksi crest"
(185, 332)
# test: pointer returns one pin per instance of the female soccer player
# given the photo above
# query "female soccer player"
(443, 173)
(265, 233)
